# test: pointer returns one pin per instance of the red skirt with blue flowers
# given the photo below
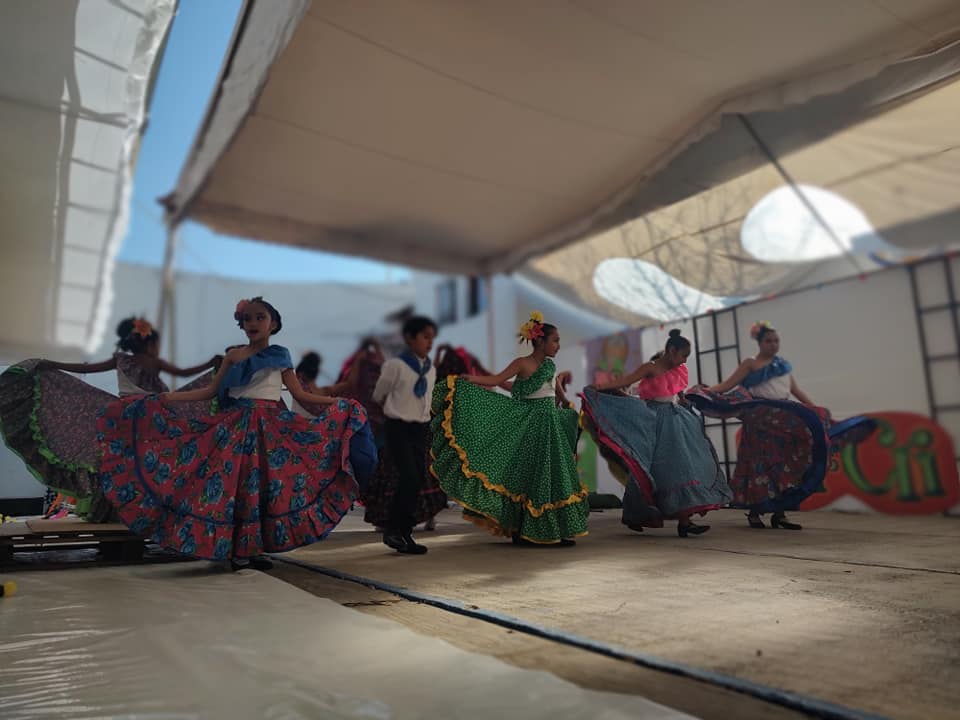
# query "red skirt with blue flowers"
(254, 478)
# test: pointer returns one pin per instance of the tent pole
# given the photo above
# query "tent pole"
(491, 325)
(166, 290)
(788, 179)
(166, 276)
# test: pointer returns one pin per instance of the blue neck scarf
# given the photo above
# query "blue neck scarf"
(274, 356)
(775, 368)
(413, 362)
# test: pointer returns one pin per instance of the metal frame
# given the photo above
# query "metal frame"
(953, 307)
(727, 461)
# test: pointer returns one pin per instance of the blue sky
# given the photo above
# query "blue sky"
(195, 50)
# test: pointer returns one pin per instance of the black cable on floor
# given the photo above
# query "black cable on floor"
(784, 698)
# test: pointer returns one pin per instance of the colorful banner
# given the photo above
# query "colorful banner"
(613, 356)
(907, 467)
(587, 462)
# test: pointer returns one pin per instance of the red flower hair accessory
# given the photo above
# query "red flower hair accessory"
(142, 328)
(241, 306)
(532, 329)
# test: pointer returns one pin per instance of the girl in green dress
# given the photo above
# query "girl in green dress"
(509, 461)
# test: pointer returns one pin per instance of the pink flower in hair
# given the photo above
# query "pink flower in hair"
(241, 306)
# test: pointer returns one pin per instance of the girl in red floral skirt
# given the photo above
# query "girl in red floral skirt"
(254, 477)
(48, 417)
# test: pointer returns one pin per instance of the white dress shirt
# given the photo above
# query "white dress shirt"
(394, 392)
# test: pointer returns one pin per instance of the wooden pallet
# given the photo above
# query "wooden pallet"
(114, 540)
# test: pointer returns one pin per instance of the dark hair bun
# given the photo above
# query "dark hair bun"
(129, 339)
(676, 341)
(309, 365)
(125, 327)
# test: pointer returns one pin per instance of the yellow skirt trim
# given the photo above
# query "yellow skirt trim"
(481, 519)
(535, 510)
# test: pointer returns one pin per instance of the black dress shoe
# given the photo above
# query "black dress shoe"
(691, 529)
(779, 520)
(414, 548)
(261, 562)
(403, 544)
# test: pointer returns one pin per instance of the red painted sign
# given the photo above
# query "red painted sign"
(907, 467)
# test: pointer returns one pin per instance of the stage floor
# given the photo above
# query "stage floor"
(193, 640)
(858, 610)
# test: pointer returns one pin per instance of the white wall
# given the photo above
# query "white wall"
(510, 302)
(471, 332)
(854, 344)
(330, 318)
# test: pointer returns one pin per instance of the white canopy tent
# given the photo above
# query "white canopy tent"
(74, 90)
(472, 137)
(899, 166)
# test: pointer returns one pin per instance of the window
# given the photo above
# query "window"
(447, 302)
(478, 300)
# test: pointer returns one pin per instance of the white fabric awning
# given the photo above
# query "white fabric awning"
(470, 137)
(73, 93)
(900, 167)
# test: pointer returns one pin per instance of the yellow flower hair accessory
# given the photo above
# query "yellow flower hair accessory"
(758, 327)
(532, 328)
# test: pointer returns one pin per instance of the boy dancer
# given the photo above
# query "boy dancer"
(405, 391)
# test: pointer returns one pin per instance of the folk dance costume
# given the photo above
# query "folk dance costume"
(784, 448)
(48, 418)
(658, 449)
(253, 478)
(509, 461)
(402, 494)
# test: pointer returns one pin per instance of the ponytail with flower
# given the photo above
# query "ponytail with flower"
(532, 329)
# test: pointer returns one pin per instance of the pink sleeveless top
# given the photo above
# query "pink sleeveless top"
(664, 386)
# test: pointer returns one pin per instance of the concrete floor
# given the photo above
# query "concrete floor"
(860, 610)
